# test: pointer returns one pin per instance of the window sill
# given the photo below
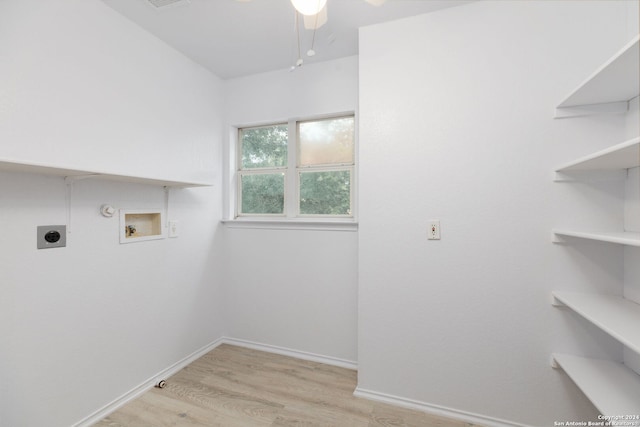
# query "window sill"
(289, 224)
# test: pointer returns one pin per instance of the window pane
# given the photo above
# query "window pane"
(326, 142)
(262, 194)
(325, 193)
(264, 147)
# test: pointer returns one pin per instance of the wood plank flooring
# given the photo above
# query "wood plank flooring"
(239, 387)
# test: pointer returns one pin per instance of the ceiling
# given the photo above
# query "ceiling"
(236, 38)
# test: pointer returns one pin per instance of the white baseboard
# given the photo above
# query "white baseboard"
(146, 385)
(328, 360)
(434, 409)
(313, 357)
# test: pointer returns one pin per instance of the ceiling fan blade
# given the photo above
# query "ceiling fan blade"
(313, 22)
(375, 2)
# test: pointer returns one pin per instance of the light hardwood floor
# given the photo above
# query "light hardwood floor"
(238, 387)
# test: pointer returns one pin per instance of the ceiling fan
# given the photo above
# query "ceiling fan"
(314, 12)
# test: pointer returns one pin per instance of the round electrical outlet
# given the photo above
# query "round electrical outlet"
(52, 236)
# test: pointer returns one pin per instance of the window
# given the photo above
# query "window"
(299, 169)
(262, 170)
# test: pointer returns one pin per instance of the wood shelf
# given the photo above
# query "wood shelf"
(612, 387)
(617, 316)
(13, 166)
(621, 156)
(615, 81)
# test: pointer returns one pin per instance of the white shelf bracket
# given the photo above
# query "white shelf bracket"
(553, 362)
(67, 200)
(590, 176)
(68, 182)
(590, 110)
(556, 302)
(557, 239)
(562, 177)
(166, 206)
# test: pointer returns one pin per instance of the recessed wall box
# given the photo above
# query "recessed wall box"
(52, 236)
(141, 225)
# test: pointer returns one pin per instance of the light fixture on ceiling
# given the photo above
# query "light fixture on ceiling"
(309, 7)
(313, 22)
(314, 14)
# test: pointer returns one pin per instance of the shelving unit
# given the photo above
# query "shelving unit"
(612, 387)
(621, 156)
(616, 81)
(615, 315)
(13, 166)
(628, 238)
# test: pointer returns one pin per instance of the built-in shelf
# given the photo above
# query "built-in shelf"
(617, 316)
(615, 81)
(612, 387)
(621, 156)
(628, 238)
(13, 166)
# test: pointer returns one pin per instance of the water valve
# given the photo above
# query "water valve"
(107, 211)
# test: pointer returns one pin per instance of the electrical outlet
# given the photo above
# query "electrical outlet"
(51, 236)
(434, 230)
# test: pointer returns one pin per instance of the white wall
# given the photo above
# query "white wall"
(295, 289)
(82, 87)
(632, 199)
(632, 214)
(632, 211)
(456, 124)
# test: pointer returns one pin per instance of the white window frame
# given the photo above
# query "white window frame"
(291, 218)
(259, 171)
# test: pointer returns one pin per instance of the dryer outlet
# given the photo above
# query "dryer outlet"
(52, 236)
